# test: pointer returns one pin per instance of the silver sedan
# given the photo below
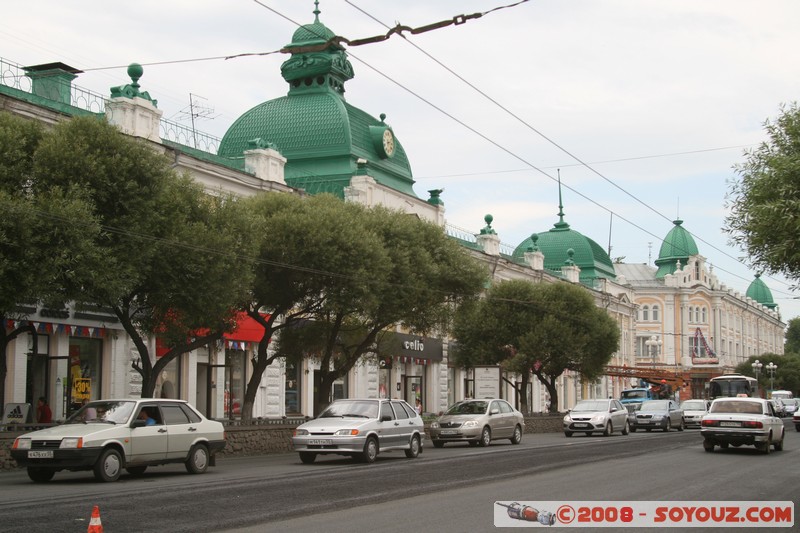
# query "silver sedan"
(596, 416)
(478, 422)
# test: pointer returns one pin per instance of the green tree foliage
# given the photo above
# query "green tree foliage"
(45, 236)
(412, 275)
(540, 329)
(170, 255)
(793, 337)
(787, 376)
(764, 202)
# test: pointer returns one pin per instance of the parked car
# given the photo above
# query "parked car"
(361, 429)
(738, 421)
(778, 406)
(107, 436)
(694, 411)
(791, 405)
(478, 422)
(596, 416)
(659, 414)
(796, 420)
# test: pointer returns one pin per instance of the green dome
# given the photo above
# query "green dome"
(556, 244)
(321, 136)
(759, 292)
(678, 245)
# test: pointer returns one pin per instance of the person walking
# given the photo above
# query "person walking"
(43, 413)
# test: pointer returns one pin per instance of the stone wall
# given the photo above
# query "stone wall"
(261, 439)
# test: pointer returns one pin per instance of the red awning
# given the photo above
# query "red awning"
(246, 330)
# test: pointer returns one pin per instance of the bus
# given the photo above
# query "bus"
(732, 385)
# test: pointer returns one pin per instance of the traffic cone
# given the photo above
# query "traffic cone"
(95, 526)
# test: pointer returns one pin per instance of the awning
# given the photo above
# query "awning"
(247, 330)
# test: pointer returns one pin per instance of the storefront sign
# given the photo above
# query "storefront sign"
(81, 389)
(416, 347)
(16, 413)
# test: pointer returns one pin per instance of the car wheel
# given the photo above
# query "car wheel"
(40, 475)
(413, 449)
(608, 430)
(567, 433)
(109, 466)
(682, 425)
(307, 457)
(136, 470)
(765, 447)
(370, 450)
(486, 437)
(625, 428)
(438, 444)
(668, 426)
(779, 444)
(517, 437)
(708, 445)
(197, 463)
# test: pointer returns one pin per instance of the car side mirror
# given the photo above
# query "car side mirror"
(139, 423)
(386, 418)
(613, 409)
(495, 412)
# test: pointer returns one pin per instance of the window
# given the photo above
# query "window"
(704, 316)
(85, 356)
(399, 411)
(655, 313)
(646, 313)
(386, 410)
(173, 414)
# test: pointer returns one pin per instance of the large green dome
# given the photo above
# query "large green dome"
(322, 137)
(556, 244)
(678, 245)
(759, 292)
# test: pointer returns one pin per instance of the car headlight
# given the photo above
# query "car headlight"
(567, 419)
(22, 444)
(435, 425)
(471, 423)
(71, 442)
(300, 432)
(346, 433)
(598, 418)
(657, 417)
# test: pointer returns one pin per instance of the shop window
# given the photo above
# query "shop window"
(168, 384)
(234, 382)
(292, 388)
(85, 358)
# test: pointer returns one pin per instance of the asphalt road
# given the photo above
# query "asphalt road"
(449, 489)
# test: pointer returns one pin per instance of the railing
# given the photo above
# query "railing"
(468, 236)
(13, 75)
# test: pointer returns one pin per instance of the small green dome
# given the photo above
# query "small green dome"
(759, 292)
(678, 245)
(563, 245)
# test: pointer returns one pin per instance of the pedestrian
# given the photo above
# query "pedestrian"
(43, 413)
(419, 407)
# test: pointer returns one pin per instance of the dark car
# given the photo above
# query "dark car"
(659, 414)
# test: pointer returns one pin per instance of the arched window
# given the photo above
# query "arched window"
(655, 313)
(646, 313)
(705, 320)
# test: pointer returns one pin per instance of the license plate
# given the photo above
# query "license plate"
(37, 454)
(319, 442)
(448, 432)
(730, 424)
(581, 425)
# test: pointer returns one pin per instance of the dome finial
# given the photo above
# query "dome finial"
(316, 11)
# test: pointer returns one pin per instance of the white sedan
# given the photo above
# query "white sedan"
(738, 421)
(107, 436)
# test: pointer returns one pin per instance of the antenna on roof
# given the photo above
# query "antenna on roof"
(196, 110)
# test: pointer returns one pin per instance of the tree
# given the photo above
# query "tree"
(793, 337)
(44, 238)
(173, 258)
(416, 280)
(543, 329)
(787, 377)
(764, 203)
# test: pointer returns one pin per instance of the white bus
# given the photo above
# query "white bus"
(732, 386)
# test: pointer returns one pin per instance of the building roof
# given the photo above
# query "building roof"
(759, 292)
(677, 246)
(320, 134)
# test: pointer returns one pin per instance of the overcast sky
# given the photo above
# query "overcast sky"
(644, 105)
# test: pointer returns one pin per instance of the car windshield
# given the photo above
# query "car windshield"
(468, 408)
(655, 405)
(103, 412)
(634, 394)
(597, 405)
(750, 408)
(694, 405)
(352, 409)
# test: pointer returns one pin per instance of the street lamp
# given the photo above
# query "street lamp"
(757, 367)
(654, 345)
(771, 368)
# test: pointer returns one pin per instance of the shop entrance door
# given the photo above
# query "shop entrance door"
(412, 390)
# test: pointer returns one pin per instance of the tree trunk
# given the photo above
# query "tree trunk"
(550, 384)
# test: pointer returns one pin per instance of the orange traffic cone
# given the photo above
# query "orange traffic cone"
(95, 526)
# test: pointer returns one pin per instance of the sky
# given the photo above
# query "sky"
(644, 107)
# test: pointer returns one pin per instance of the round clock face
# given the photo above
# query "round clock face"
(388, 143)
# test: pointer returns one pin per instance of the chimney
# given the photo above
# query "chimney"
(52, 81)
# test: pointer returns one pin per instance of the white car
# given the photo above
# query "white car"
(361, 429)
(694, 411)
(107, 436)
(738, 421)
(596, 416)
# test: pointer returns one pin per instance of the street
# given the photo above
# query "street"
(449, 489)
